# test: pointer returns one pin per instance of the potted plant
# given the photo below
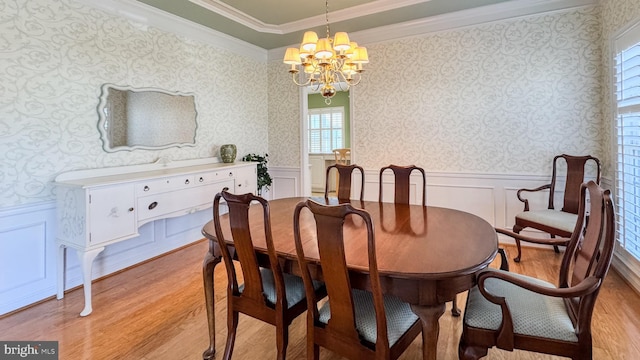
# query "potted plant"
(264, 179)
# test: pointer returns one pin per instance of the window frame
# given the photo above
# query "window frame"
(320, 112)
(621, 42)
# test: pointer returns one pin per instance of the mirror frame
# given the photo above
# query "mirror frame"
(102, 118)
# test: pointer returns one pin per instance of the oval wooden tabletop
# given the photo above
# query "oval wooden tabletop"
(412, 241)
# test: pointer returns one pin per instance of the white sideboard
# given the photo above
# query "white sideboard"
(99, 207)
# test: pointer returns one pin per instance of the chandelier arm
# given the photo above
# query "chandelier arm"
(355, 79)
(293, 77)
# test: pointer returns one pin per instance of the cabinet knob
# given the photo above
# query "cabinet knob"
(225, 189)
(153, 205)
(230, 174)
(186, 181)
(239, 185)
(146, 188)
(130, 209)
(201, 179)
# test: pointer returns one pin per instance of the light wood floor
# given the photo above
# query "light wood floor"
(156, 311)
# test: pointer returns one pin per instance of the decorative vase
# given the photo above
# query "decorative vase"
(228, 153)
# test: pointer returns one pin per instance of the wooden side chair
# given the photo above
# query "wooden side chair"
(342, 156)
(514, 311)
(267, 294)
(402, 176)
(343, 193)
(356, 324)
(555, 222)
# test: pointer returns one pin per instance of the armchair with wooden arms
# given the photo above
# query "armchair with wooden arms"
(555, 222)
(513, 311)
(267, 294)
(356, 324)
(343, 192)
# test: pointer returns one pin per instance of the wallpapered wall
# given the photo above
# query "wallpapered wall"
(503, 97)
(55, 55)
(616, 15)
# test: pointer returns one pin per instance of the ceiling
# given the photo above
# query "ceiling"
(272, 24)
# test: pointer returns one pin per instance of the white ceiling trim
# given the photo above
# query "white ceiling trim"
(144, 14)
(353, 12)
(470, 17)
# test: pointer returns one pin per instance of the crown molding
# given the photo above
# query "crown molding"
(146, 15)
(374, 7)
(463, 18)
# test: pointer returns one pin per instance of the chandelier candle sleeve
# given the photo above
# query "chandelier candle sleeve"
(327, 61)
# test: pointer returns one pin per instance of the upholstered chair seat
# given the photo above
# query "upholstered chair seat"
(400, 318)
(557, 219)
(293, 287)
(533, 314)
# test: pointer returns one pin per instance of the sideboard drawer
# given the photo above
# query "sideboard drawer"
(162, 185)
(160, 205)
(214, 176)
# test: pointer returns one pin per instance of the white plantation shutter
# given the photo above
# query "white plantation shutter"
(627, 60)
(326, 129)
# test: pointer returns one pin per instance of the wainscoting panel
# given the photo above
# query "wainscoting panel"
(477, 200)
(27, 255)
(286, 183)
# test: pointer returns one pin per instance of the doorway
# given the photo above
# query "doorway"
(323, 135)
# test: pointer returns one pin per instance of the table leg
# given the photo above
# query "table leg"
(429, 316)
(208, 266)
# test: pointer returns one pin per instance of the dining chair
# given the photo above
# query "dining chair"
(342, 157)
(267, 294)
(513, 311)
(550, 220)
(356, 324)
(402, 185)
(343, 192)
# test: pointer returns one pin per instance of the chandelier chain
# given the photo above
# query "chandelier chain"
(326, 15)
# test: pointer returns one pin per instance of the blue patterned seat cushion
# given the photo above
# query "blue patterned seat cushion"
(554, 218)
(293, 287)
(532, 313)
(399, 316)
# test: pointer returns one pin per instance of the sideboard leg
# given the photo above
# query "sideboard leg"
(86, 259)
(208, 266)
(60, 264)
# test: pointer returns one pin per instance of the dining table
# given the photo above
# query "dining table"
(426, 255)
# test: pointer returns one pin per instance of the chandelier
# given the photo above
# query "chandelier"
(327, 61)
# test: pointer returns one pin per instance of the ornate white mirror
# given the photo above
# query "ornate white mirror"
(145, 118)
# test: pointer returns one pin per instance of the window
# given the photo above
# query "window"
(326, 130)
(627, 106)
